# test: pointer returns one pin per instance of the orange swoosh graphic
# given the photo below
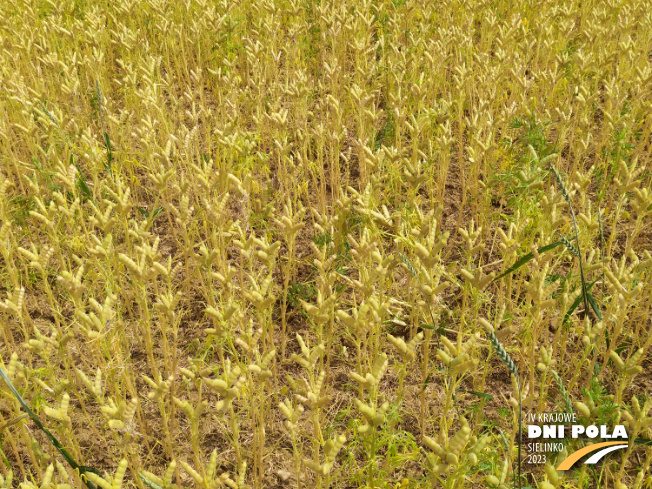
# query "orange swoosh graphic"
(575, 456)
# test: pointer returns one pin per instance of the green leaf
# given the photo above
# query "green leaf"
(573, 306)
(145, 214)
(437, 329)
(479, 394)
(526, 258)
(149, 483)
(156, 212)
(643, 441)
(83, 186)
(576, 303)
(107, 142)
(109, 153)
(427, 326)
(425, 384)
(594, 305)
(86, 468)
(82, 469)
(37, 163)
(620, 348)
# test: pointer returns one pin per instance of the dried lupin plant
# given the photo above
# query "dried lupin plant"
(185, 187)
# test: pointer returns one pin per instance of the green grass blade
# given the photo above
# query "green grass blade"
(438, 329)
(83, 186)
(483, 395)
(576, 303)
(578, 251)
(573, 306)
(109, 153)
(425, 384)
(149, 483)
(526, 258)
(86, 468)
(107, 141)
(71, 461)
(594, 305)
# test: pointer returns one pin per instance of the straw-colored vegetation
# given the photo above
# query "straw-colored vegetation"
(306, 244)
